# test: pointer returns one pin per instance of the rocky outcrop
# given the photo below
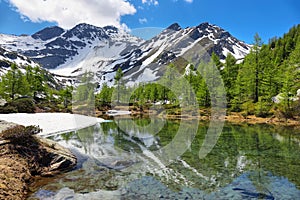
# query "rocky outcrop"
(60, 159)
(26, 157)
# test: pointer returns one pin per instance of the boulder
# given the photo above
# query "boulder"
(59, 158)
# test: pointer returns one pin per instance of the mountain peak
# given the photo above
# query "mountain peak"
(85, 26)
(175, 27)
(111, 29)
(204, 25)
(84, 30)
(48, 33)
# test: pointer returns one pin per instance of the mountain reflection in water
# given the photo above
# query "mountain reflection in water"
(248, 161)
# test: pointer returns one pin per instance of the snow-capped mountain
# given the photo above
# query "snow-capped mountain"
(54, 47)
(7, 58)
(103, 50)
(189, 45)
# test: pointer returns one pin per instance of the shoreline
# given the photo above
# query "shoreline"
(26, 157)
(204, 115)
(250, 119)
(55, 123)
(237, 118)
(20, 163)
(52, 123)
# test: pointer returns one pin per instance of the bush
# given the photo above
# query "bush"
(296, 106)
(262, 109)
(284, 111)
(48, 106)
(8, 109)
(24, 105)
(235, 105)
(248, 107)
(19, 133)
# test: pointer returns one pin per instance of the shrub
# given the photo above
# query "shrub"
(262, 109)
(248, 107)
(284, 111)
(48, 106)
(296, 106)
(8, 109)
(19, 133)
(24, 105)
(235, 105)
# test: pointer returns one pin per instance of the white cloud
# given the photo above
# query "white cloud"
(143, 20)
(68, 13)
(150, 2)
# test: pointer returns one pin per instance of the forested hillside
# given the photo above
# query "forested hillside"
(264, 84)
(25, 88)
(268, 79)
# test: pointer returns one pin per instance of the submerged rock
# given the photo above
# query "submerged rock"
(121, 164)
(67, 193)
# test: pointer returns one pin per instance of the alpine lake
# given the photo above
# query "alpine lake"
(145, 158)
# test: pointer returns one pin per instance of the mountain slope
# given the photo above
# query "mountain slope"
(54, 47)
(7, 58)
(146, 62)
(104, 50)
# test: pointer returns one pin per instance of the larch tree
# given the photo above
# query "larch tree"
(119, 75)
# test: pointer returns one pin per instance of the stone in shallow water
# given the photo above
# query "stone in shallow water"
(43, 194)
(68, 194)
(150, 188)
(65, 193)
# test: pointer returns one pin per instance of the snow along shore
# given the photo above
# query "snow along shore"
(52, 123)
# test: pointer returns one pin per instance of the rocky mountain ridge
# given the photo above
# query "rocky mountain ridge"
(85, 47)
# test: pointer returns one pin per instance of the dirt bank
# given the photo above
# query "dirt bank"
(23, 159)
(204, 114)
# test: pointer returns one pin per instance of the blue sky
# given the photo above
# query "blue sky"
(242, 19)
